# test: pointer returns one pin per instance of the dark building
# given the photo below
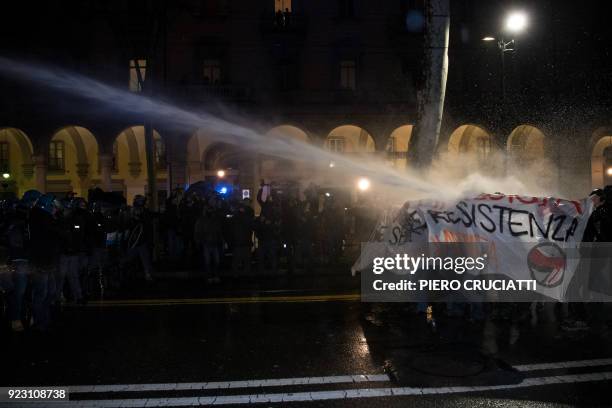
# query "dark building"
(340, 74)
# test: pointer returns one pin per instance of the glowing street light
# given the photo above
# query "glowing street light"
(516, 22)
(363, 184)
(6, 176)
(609, 171)
(332, 165)
(221, 173)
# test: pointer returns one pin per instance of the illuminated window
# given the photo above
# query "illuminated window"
(135, 67)
(56, 155)
(160, 154)
(335, 144)
(212, 71)
(4, 158)
(282, 5)
(347, 75)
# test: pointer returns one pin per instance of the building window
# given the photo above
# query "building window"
(56, 155)
(335, 144)
(137, 65)
(211, 71)
(5, 166)
(160, 154)
(282, 6)
(347, 75)
(346, 8)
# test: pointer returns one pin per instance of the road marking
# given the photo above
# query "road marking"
(318, 395)
(564, 364)
(215, 385)
(351, 297)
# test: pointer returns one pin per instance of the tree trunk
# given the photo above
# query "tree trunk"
(430, 100)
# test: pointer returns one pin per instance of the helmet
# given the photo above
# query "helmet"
(30, 197)
(597, 192)
(47, 203)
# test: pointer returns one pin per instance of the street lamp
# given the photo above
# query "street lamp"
(609, 171)
(6, 176)
(363, 184)
(220, 173)
(515, 23)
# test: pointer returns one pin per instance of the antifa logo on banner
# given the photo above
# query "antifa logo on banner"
(547, 263)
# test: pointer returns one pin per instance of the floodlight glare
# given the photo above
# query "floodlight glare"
(516, 22)
(363, 184)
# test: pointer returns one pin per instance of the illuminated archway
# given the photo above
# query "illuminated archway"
(197, 144)
(16, 160)
(130, 162)
(397, 146)
(601, 162)
(72, 161)
(284, 169)
(237, 164)
(526, 144)
(350, 139)
(470, 139)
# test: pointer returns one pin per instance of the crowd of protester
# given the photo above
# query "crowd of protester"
(63, 250)
(69, 249)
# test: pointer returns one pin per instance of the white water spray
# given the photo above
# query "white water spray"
(404, 185)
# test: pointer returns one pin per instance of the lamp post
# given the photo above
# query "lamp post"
(515, 23)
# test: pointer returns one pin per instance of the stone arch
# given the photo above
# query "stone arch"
(130, 162)
(79, 162)
(526, 144)
(350, 139)
(283, 169)
(20, 166)
(470, 139)
(398, 144)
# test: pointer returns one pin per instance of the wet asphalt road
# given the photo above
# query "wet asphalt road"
(323, 338)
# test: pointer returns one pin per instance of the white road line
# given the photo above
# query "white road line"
(564, 364)
(317, 395)
(215, 385)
